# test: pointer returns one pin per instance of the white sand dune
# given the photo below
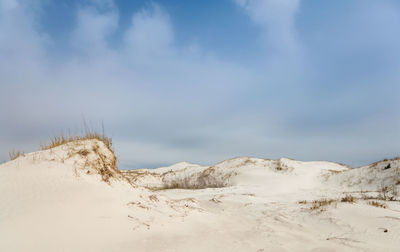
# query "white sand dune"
(71, 198)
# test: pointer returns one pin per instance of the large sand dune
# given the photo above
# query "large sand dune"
(72, 198)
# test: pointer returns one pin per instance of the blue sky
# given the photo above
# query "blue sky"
(203, 81)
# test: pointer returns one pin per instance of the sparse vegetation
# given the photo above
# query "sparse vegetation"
(94, 158)
(248, 161)
(83, 152)
(384, 160)
(321, 203)
(389, 193)
(104, 165)
(88, 135)
(15, 154)
(383, 191)
(280, 166)
(348, 198)
(208, 178)
(394, 192)
(377, 204)
(153, 198)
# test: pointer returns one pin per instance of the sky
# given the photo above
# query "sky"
(204, 81)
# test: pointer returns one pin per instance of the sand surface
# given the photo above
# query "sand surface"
(70, 198)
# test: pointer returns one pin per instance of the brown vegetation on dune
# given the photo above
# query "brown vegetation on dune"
(377, 204)
(348, 198)
(88, 135)
(15, 154)
(94, 156)
(319, 204)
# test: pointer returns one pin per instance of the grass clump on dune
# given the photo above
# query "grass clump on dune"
(348, 199)
(377, 204)
(15, 154)
(88, 135)
(319, 204)
(104, 164)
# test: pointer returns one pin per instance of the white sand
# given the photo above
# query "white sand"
(55, 200)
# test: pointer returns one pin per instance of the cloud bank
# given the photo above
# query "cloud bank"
(164, 103)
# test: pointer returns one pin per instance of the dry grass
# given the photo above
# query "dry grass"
(94, 157)
(335, 171)
(154, 198)
(348, 199)
(249, 162)
(15, 154)
(103, 164)
(207, 178)
(83, 152)
(384, 160)
(183, 186)
(88, 135)
(389, 193)
(280, 166)
(106, 166)
(321, 203)
(97, 161)
(377, 204)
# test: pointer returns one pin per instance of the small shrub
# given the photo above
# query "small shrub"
(15, 154)
(377, 204)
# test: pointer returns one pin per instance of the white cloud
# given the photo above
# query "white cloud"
(148, 80)
(164, 102)
(92, 29)
(150, 32)
(277, 18)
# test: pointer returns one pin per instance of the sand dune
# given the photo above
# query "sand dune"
(72, 198)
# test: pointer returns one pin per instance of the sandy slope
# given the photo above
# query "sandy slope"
(71, 199)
